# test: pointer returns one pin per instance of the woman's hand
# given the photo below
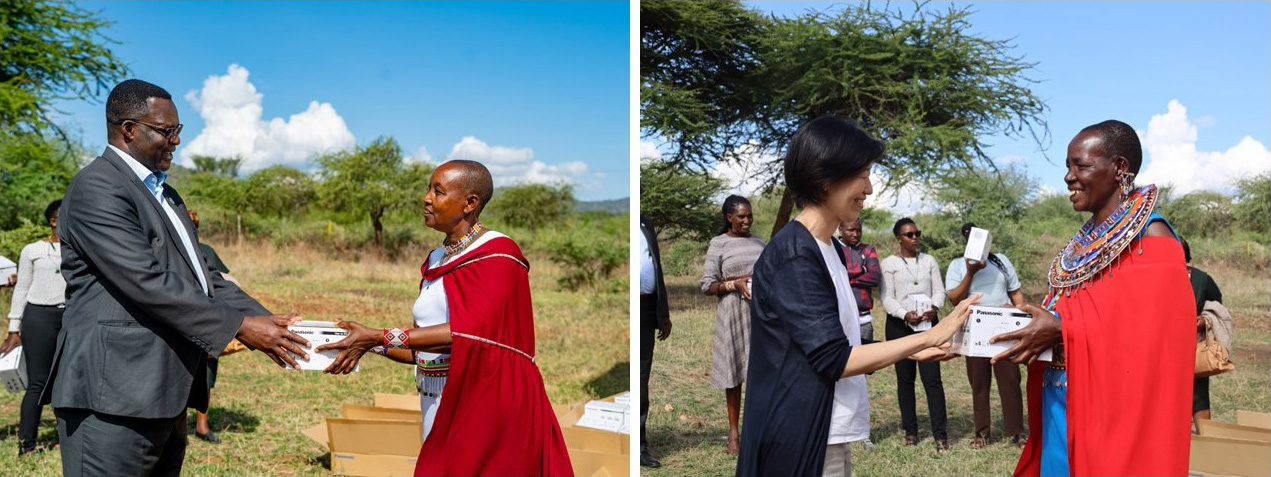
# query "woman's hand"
(740, 284)
(352, 347)
(934, 353)
(12, 341)
(944, 330)
(913, 318)
(1042, 333)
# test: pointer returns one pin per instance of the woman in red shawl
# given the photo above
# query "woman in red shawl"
(1116, 399)
(492, 415)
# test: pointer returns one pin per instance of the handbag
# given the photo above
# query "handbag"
(1212, 358)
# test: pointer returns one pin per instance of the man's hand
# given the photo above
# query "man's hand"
(269, 335)
(12, 341)
(1041, 334)
(360, 339)
(973, 266)
(11, 280)
(930, 315)
(664, 329)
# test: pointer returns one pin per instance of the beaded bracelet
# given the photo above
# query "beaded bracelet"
(396, 338)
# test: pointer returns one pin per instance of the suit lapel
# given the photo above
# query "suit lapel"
(135, 182)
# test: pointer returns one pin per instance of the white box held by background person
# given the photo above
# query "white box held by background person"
(13, 371)
(318, 333)
(978, 244)
(919, 304)
(986, 322)
(7, 269)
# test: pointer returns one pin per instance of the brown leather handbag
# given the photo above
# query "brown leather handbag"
(1212, 357)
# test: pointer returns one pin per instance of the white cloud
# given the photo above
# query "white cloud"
(746, 170)
(906, 200)
(649, 150)
(421, 155)
(231, 108)
(511, 165)
(1172, 158)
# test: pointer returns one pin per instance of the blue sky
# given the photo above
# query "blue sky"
(539, 91)
(1193, 77)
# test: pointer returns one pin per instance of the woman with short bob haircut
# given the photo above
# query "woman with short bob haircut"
(806, 361)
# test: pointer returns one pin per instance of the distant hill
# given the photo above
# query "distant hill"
(612, 206)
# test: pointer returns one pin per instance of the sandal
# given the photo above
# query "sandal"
(911, 440)
(979, 442)
(1020, 440)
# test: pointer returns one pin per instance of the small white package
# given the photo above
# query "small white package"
(13, 371)
(608, 416)
(319, 333)
(978, 245)
(920, 303)
(986, 322)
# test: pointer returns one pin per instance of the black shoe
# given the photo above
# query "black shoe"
(647, 460)
(209, 437)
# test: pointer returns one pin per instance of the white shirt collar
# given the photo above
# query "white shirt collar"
(137, 168)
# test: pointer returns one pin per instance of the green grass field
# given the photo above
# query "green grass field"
(259, 409)
(687, 419)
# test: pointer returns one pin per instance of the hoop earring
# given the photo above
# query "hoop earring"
(1126, 180)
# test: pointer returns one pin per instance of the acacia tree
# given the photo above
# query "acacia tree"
(371, 180)
(682, 201)
(279, 190)
(919, 81)
(49, 51)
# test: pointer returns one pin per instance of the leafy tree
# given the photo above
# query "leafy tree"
(534, 205)
(371, 180)
(226, 166)
(1253, 204)
(51, 50)
(1200, 213)
(279, 190)
(33, 172)
(921, 82)
(683, 203)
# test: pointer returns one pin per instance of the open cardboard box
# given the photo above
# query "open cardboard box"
(1253, 419)
(384, 439)
(370, 440)
(1230, 449)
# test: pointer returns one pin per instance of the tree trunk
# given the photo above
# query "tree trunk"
(379, 228)
(783, 212)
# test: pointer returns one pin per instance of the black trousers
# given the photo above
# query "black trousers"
(102, 444)
(648, 334)
(931, 383)
(40, 326)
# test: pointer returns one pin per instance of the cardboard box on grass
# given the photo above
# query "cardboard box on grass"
(1230, 449)
(986, 322)
(370, 440)
(13, 371)
(1253, 419)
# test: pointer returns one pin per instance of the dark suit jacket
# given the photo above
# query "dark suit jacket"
(137, 329)
(651, 235)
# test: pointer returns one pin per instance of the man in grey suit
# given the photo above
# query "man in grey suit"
(143, 310)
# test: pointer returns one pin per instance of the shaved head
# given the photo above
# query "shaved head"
(472, 177)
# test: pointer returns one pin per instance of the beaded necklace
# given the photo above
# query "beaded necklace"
(454, 248)
(1096, 246)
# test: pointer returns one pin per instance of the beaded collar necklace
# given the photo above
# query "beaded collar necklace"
(1096, 246)
(454, 248)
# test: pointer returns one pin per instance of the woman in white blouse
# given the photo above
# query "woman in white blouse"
(35, 318)
(912, 292)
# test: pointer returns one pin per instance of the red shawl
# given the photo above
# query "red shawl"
(1129, 339)
(495, 418)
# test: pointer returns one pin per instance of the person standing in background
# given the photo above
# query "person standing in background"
(730, 260)
(1205, 289)
(35, 319)
(202, 429)
(905, 275)
(655, 321)
(1000, 286)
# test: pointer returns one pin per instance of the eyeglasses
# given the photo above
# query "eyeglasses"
(913, 235)
(167, 133)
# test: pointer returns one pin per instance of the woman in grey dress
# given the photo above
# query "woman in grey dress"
(726, 274)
